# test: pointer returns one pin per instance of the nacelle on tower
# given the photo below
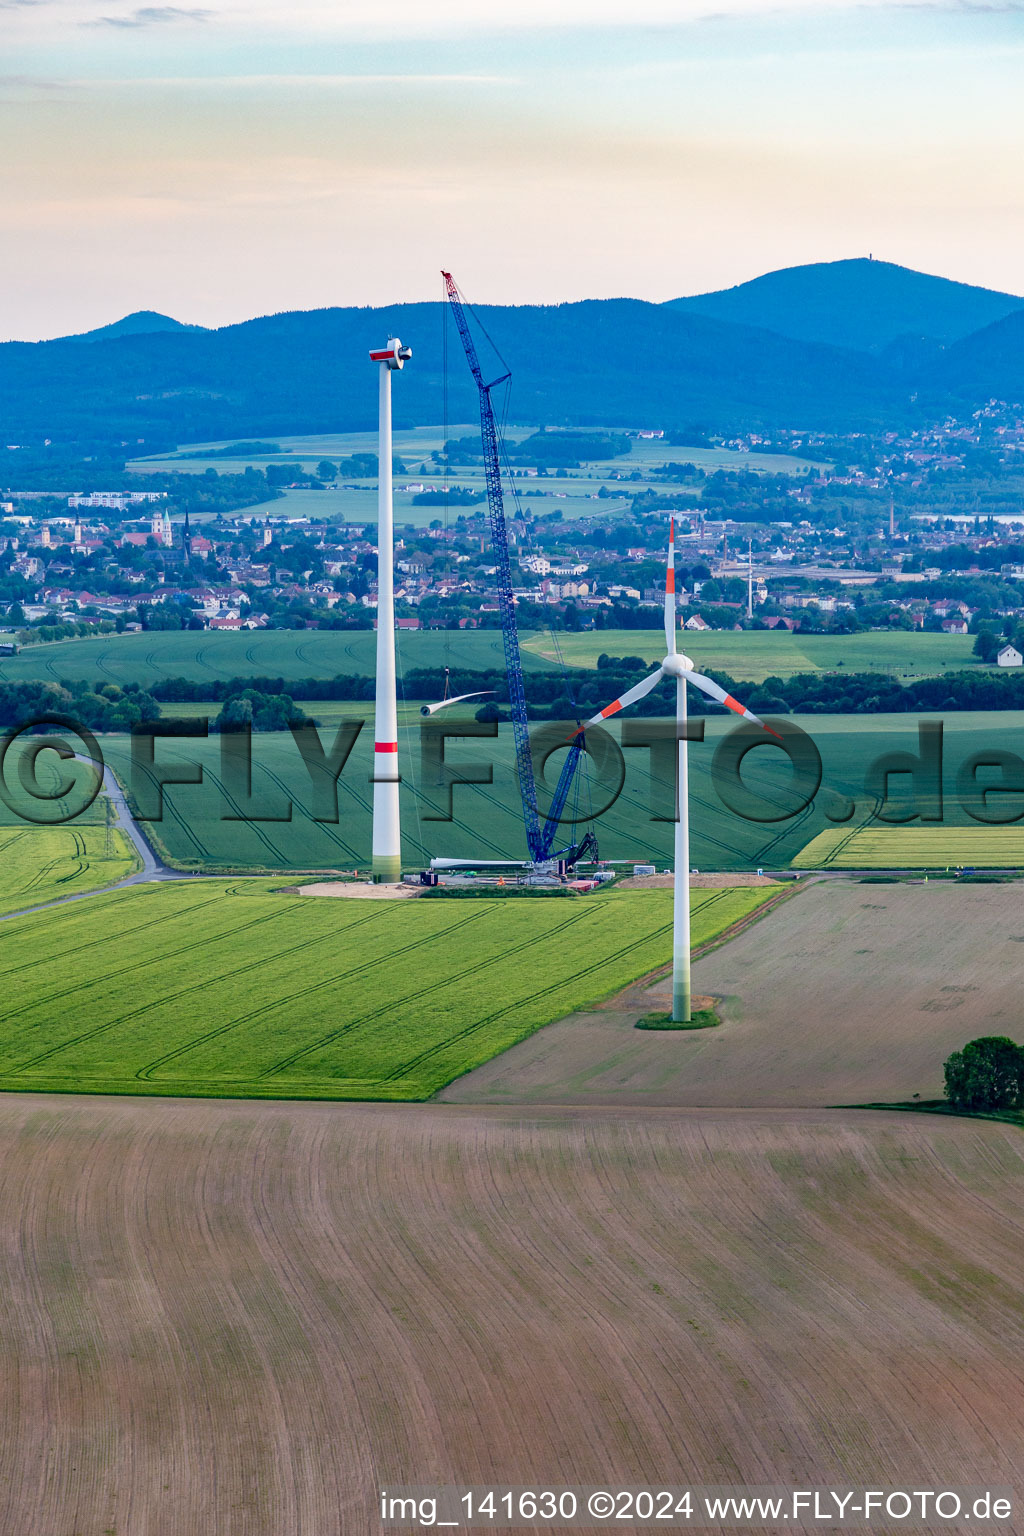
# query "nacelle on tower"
(394, 354)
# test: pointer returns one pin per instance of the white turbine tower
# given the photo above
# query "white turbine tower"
(680, 667)
(387, 829)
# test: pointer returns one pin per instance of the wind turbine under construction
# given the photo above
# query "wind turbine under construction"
(681, 668)
(387, 829)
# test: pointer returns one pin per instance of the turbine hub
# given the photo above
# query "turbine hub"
(677, 665)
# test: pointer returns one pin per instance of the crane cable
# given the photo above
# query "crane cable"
(403, 726)
(445, 478)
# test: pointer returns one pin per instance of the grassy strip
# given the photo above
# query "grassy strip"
(704, 1018)
(943, 1107)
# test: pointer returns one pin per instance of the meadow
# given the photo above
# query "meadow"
(756, 654)
(206, 655)
(353, 500)
(487, 818)
(218, 988)
(213, 826)
(414, 446)
(277, 829)
(40, 864)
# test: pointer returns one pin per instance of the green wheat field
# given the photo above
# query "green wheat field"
(220, 988)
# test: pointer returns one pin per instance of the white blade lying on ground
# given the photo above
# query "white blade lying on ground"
(719, 694)
(639, 691)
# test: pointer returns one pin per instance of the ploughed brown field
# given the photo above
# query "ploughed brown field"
(242, 1320)
(847, 993)
(676, 1265)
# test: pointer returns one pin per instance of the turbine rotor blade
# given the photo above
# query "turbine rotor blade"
(432, 709)
(721, 697)
(639, 691)
(670, 591)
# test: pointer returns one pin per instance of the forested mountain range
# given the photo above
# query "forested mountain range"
(618, 362)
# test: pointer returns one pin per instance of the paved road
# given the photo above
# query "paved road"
(153, 867)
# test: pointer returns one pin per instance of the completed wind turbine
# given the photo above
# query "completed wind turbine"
(680, 667)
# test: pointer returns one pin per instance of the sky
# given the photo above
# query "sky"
(231, 158)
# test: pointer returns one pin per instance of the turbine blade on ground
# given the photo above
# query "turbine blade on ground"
(721, 697)
(639, 691)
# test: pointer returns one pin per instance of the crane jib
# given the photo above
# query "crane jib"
(539, 839)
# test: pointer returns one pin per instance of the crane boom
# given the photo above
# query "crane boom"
(539, 838)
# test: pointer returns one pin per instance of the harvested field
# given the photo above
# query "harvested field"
(244, 1320)
(847, 993)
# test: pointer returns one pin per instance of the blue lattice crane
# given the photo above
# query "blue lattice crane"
(540, 830)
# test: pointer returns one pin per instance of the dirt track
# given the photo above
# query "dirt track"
(233, 1320)
(714, 882)
(845, 993)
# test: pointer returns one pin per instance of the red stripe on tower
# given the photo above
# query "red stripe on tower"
(385, 746)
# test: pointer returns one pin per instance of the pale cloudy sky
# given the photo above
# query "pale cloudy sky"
(228, 158)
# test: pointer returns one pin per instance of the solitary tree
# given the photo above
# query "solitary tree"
(986, 645)
(988, 1074)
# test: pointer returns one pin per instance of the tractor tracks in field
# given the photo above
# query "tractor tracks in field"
(153, 868)
(146, 1073)
(201, 984)
(521, 1002)
(446, 981)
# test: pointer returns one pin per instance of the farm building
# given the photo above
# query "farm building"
(1009, 656)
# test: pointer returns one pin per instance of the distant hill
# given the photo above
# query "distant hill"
(863, 304)
(144, 322)
(987, 365)
(614, 362)
(598, 362)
